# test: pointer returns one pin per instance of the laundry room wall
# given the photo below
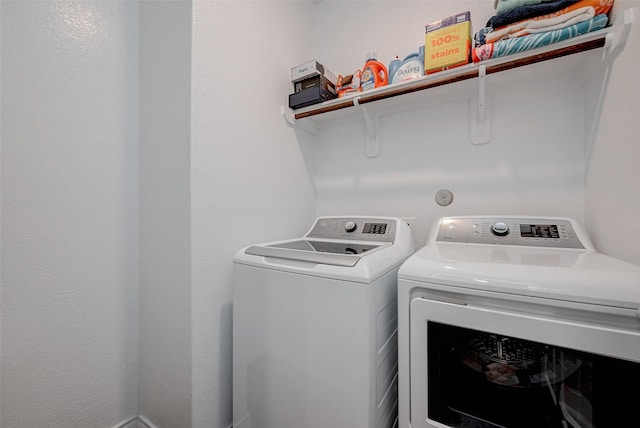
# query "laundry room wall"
(542, 158)
(533, 164)
(251, 175)
(69, 272)
(70, 218)
(165, 242)
(613, 180)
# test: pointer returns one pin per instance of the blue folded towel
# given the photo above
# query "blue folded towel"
(520, 13)
(506, 5)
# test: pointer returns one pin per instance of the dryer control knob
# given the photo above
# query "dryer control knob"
(500, 229)
(350, 226)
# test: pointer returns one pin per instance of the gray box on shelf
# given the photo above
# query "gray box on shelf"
(306, 70)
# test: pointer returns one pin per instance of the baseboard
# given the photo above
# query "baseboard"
(136, 422)
(129, 423)
(140, 422)
(145, 423)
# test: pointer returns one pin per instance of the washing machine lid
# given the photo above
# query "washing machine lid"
(360, 249)
(337, 253)
(575, 273)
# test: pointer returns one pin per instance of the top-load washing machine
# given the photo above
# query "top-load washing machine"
(517, 322)
(315, 326)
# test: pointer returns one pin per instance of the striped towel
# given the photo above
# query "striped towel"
(527, 14)
(525, 28)
(521, 44)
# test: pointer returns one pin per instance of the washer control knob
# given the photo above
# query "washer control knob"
(500, 229)
(350, 226)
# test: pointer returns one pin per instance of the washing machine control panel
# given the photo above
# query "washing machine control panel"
(354, 229)
(536, 231)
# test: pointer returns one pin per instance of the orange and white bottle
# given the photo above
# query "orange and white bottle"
(374, 73)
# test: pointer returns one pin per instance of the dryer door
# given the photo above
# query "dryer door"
(493, 367)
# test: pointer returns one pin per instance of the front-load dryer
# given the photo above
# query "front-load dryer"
(517, 322)
(315, 326)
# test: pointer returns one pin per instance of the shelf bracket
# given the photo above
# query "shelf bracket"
(288, 118)
(615, 41)
(371, 127)
(480, 125)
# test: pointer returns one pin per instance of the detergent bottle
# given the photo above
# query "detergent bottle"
(374, 73)
(409, 68)
(393, 66)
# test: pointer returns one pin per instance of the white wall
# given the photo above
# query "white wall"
(165, 240)
(251, 178)
(231, 173)
(69, 213)
(533, 164)
(613, 180)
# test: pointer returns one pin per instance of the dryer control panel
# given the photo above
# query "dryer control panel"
(534, 231)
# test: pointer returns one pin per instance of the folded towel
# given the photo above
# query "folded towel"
(503, 6)
(520, 44)
(548, 10)
(599, 7)
(525, 12)
(524, 28)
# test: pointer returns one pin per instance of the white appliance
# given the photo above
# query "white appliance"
(517, 322)
(315, 326)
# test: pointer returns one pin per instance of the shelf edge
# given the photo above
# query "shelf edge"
(469, 71)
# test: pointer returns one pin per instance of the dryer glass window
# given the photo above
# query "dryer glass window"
(479, 379)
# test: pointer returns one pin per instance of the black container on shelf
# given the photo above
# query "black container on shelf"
(309, 96)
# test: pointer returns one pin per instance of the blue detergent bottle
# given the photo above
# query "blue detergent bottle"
(409, 68)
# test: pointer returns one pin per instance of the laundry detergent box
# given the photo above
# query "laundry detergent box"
(447, 43)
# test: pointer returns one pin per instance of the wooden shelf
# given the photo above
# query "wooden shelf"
(370, 105)
(587, 42)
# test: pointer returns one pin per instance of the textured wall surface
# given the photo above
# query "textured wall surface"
(165, 288)
(69, 213)
(219, 169)
(250, 176)
(613, 180)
